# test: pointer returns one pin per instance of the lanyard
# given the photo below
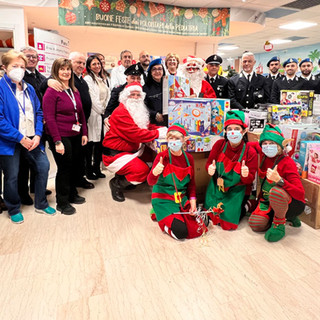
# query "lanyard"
(73, 99)
(23, 107)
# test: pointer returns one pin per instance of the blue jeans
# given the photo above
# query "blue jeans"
(10, 167)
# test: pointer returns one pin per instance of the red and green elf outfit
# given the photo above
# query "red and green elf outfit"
(171, 192)
(277, 202)
(226, 202)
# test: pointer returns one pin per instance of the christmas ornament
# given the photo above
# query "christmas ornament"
(70, 17)
(66, 4)
(90, 4)
(120, 6)
(75, 3)
(188, 14)
(105, 6)
(203, 12)
(162, 8)
(175, 11)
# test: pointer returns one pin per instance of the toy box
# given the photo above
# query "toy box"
(314, 163)
(193, 114)
(301, 158)
(284, 114)
(159, 145)
(256, 120)
(220, 107)
(299, 132)
(304, 98)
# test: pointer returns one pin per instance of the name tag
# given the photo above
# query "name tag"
(76, 127)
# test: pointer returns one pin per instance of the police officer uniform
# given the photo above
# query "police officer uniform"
(245, 93)
(270, 77)
(285, 83)
(313, 83)
(318, 75)
(218, 83)
(133, 70)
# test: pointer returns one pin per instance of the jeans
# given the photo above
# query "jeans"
(69, 168)
(10, 167)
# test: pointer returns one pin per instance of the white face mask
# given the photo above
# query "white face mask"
(16, 74)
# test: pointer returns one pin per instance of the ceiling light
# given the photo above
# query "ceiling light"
(298, 25)
(220, 53)
(228, 48)
(280, 41)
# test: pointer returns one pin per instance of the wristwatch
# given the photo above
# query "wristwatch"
(57, 143)
(280, 183)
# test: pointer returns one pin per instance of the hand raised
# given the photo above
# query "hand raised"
(157, 170)
(212, 168)
(244, 169)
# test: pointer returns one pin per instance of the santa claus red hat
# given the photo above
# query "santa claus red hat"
(133, 86)
(194, 60)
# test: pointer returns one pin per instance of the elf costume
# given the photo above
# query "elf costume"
(278, 201)
(227, 188)
(171, 192)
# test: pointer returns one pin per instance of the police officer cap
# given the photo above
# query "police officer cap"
(154, 62)
(214, 59)
(134, 70)
(290, 60)
(275, 58)
(305, 60)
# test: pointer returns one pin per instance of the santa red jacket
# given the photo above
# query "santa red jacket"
(125, 136)
(206, 90)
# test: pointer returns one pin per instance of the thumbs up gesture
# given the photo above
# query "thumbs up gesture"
(157, 170)
(273, 174)
(212, 168)
(244, 169)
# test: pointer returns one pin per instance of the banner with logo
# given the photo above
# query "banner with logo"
(145, 16)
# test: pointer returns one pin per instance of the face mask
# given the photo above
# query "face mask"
(270, 150)
(234, 136)
(175, 145)
(16, 74)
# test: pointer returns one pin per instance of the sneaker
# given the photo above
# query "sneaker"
(17, 218)
(48, 210)
(67, 209)
(77, 199)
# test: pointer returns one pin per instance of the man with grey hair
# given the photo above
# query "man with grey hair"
(117, 74)
(247, 88)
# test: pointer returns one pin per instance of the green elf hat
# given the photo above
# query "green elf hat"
(272, 133)
(178, 127)
(235, 117)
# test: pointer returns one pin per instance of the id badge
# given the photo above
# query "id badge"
(76, 127)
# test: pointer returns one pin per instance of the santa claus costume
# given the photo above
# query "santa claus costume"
(123, 144)
(174, 191)
(282, 196)
(193, 70)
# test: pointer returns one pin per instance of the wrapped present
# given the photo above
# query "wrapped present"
(193, 114)
(314, 163)
(304, 98)
(220, 107)
(284, 114)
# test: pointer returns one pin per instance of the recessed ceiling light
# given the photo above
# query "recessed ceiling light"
(221, 54)
(280, 41)
(298, 25)
(228, 48)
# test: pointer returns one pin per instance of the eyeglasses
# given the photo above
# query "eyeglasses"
(156, 69)
(31, 56)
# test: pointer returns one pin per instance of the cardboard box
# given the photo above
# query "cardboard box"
(252, 137)
(280, 114)
(219, 109)
(304, 98)
(256, 120)
(311, 215)
(314, 163)
(193, 114)
(201, 175)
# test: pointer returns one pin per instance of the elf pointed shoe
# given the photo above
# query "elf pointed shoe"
(295, 222)
(275, 233)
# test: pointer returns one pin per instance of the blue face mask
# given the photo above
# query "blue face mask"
(270, 150)
(175, 145)
(234, 136)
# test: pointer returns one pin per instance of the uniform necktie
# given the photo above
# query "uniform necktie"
(273, 77)
(249, 77)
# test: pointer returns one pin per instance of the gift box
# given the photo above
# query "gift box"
(159, 145)
(193, 114)
(256, 120)
(314, 163)
(220, 107)
(201, 144)
(284, 114)
(304, 98)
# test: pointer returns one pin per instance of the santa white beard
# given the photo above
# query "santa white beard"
(196, 81)
(138, 111)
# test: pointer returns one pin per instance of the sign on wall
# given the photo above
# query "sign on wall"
(145, 16)
(50, 46)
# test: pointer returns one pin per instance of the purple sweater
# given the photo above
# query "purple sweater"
(59, 114)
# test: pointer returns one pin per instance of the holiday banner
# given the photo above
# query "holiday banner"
(145, 16)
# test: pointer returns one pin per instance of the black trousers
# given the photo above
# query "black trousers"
(69, 168)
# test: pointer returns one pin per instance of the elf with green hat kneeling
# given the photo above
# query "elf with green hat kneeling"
(174, 190)
(282, 195)
(233, 166)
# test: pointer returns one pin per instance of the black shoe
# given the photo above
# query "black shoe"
(85, 184)
(117, 194)
(26, 200)
(67, 209)
(130, 187)
(48, 192)
(3, 207)
(100, 175)
(77, 199)
(91, 176)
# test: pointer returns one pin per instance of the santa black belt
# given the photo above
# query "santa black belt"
(111, 152)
